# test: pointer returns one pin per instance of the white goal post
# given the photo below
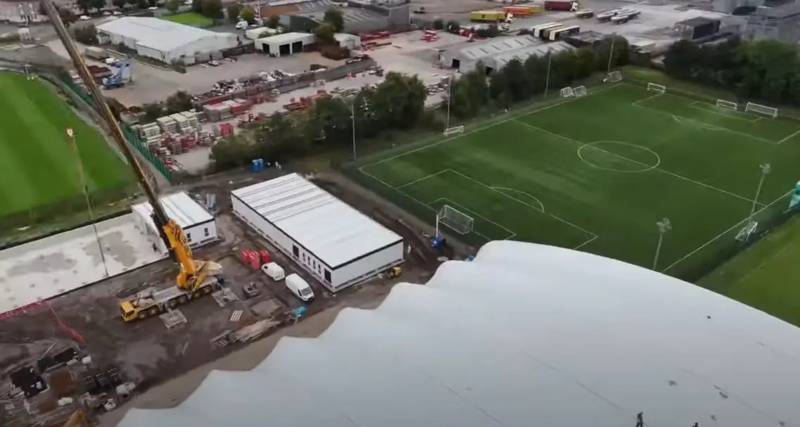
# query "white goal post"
(747, 231)
(727, 105)
(579, 91)
(613, 77)
(761, 109)
(655, 87)
(455, 130)
(454, 219)
(567, 92)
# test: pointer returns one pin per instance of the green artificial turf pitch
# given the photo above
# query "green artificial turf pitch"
(190, 18)
(37, 167)
(596, 173)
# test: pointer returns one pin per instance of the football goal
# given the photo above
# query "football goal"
(613, 77)
(567, 92)
(655, 87)
(744, 234)
(579, 91)
(454, 219)
(727, 105)
(455, 130)
(761, 109)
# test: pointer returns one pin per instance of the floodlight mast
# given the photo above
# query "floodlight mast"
(663, 226)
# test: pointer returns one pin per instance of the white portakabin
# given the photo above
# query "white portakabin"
(454, 219)
(579, 91)
(567, 92)
(727, 105)
(655, 87)
(761, 109)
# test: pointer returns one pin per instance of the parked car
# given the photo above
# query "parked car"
(274, 271)
(299, 287)
(241, 25)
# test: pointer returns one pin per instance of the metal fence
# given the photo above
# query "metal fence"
(130, 136)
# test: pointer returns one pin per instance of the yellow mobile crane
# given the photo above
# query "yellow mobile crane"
(196, 278)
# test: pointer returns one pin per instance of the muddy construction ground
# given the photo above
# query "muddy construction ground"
(146, 353)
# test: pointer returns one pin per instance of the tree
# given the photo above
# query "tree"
(248, 14)
(536, 70)
(211, 9)
(274, 21)
(178, 102)
(325, 33)
(98, 4)
(119, 3)
(438, 24)
(584, 62)
(172, 5)
(86, 34)
(334, 17)
(142, 4)
(330, 121)
(231, 152)
(84, 5)
(234, 10)
(152, 111)
(280, 138)
(681, 58)
(197, 6)
(398, 101)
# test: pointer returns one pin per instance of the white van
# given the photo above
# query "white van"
(274, 271)
(299, 287)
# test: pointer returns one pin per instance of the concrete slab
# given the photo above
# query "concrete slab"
(66, 261)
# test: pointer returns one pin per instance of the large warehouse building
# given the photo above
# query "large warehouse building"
(198, 225)
(495, 53)
(165, 41)
(334, 242)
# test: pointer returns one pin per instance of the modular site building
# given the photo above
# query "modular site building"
(334, 242)
(495, 53)
(197, 223)
(285, 44)
(165, 41)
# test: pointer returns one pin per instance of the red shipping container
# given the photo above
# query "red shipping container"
(264, 256)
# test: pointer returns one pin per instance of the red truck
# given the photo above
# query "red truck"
(566, 5)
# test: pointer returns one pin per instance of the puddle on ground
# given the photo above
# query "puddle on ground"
(44, 263)
(114, 247)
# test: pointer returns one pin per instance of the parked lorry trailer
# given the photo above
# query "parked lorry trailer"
(487, 16)
(152, 301)
(537, 30)
(526, 10)
(564, 5)
(560, 33)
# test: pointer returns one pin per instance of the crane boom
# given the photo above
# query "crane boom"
(191, 280)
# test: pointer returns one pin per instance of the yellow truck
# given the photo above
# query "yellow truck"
(487, 16)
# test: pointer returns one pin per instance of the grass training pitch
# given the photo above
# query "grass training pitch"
(190, 18)
(597, 173)
(765, 275)
(37, 166)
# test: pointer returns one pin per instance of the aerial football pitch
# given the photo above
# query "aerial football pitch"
(37, 166)
(597, 173)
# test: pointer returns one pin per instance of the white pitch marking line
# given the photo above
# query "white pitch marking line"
(523, 112)
(428, 176)
(789, 137)
(514, 190)
(738, 224)
(643, 164)
(585, 243)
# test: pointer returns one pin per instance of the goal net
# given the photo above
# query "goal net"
(747, 231)
(454, 219)
(613, 77)
(727, 105)
(455, 130)
(655, 87)
(579, 91)
(761, 109)
(567, 92)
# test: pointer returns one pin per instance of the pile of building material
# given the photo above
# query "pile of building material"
(226, 109)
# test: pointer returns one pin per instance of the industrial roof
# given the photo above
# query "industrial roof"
(157, 33)
(330, 229)
(697, 21)
(524, 335)
(782, 11)
(537, 50)
(496, 46)
(287, 38)
(181, 208)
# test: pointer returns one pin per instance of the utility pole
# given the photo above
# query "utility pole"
(663, 226)
(353, 117)
(449, 97)
(766, 168)
(611, 52)
(547, 77)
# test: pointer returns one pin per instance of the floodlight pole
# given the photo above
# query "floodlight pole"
(436, 233)
(765, 170)
(663, 226)
(611, 52)
(449, 97)
(353, 118)
(547, 77)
